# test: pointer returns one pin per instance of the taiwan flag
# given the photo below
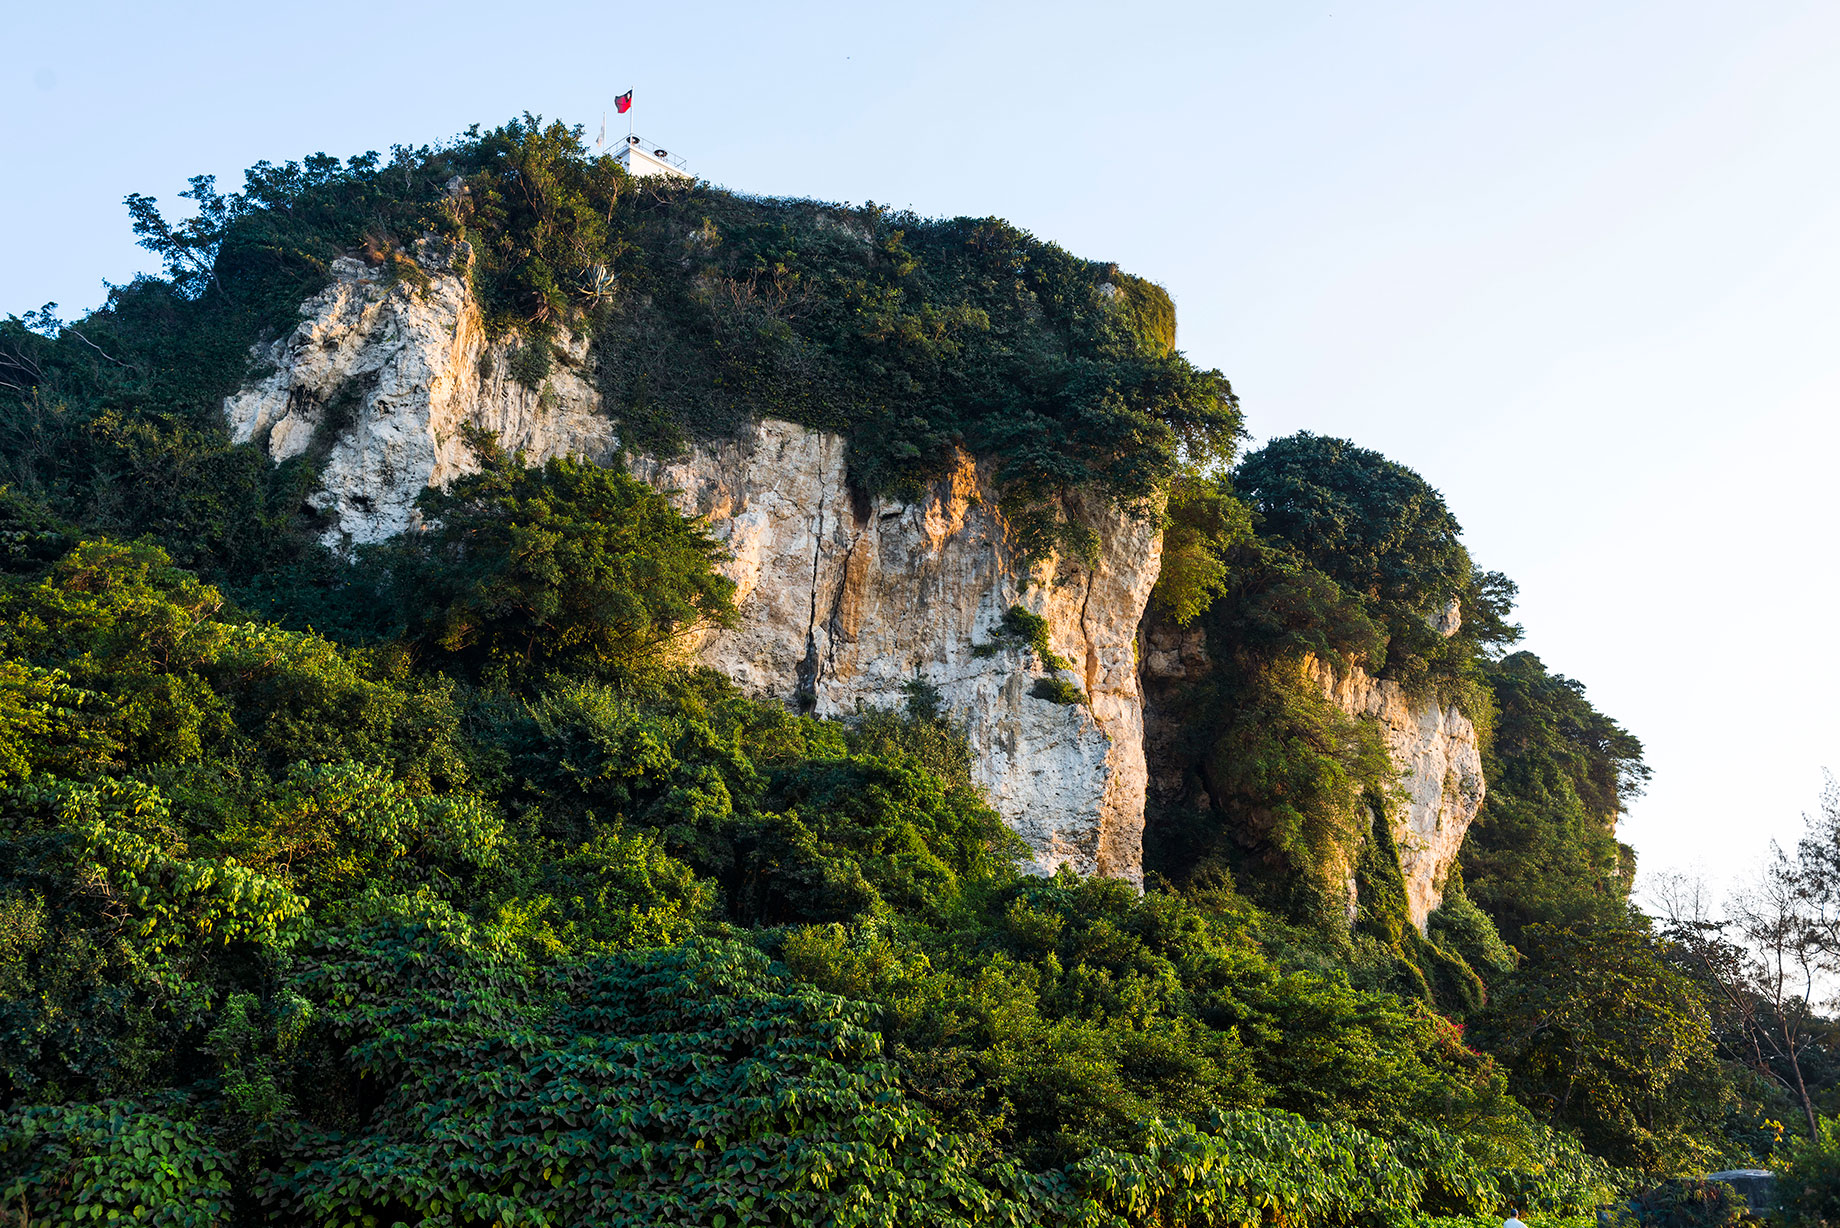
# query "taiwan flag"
(623, 103)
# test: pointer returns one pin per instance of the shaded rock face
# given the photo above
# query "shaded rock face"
(1169, 658)
(1432, 746)
(843, 599)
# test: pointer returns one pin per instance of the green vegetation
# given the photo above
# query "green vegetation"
(571, 567)
(1809, 1179)
(645, 946)
(1032, 629)
(1204, 524)
(435, 886)
(1318, 556)
(1579, 1028)
(1560, 774)
(1019, 624)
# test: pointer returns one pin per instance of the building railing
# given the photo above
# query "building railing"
(663, 155)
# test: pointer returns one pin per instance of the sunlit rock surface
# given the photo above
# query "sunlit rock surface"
(843, 599)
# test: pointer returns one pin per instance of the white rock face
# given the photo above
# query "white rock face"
(385, 376)
(846, 599)
(1434, 749)
(842, 599)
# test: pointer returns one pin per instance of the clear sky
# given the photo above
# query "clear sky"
(1577, 263)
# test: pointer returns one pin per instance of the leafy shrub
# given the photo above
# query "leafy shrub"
(1464, 928)
(914, 337)
(179, 680)
(921, 731)
(1543, 848)
(566, 566)
(1053, 1016)
(531, 362)
(1602, 1034)
(792, 820)
(615, 891)
(1021, 623)
(1203, 525)
(1685, 1202)
(1808, 1177)
(688, 1082)
(1371, 524)
(48, 724)
(1057, 690)
(1380, 532)
(152, 1163)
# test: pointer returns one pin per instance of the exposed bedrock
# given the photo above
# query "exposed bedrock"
(843, 598)
(1434, 749)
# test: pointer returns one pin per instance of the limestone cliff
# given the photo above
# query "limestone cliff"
(1433, 748)
(843, 599)
(846, 599)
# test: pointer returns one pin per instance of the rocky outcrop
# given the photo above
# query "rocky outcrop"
(384, 376)
(843, 599)
(847, 599)
(1432, 746)
(1434, 749)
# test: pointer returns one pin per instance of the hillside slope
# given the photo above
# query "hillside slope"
(378, 841)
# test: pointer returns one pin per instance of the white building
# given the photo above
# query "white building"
(640, 157)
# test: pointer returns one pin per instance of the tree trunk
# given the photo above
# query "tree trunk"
(1801, 1088)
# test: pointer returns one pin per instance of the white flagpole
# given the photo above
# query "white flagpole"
(629, 118)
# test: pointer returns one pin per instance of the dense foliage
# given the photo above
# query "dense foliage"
(1372, 525)
(1318, 557)
(570, 567)
(283, 905)
(1580, 1028)
(1560, 775)
(434, 886)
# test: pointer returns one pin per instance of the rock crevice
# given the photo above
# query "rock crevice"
(907, 593)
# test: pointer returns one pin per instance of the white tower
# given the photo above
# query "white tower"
(641, 158)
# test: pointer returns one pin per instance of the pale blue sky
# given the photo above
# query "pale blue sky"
(1577, 263)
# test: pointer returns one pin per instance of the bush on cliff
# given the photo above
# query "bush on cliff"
(1561, 773)
(570, 566)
